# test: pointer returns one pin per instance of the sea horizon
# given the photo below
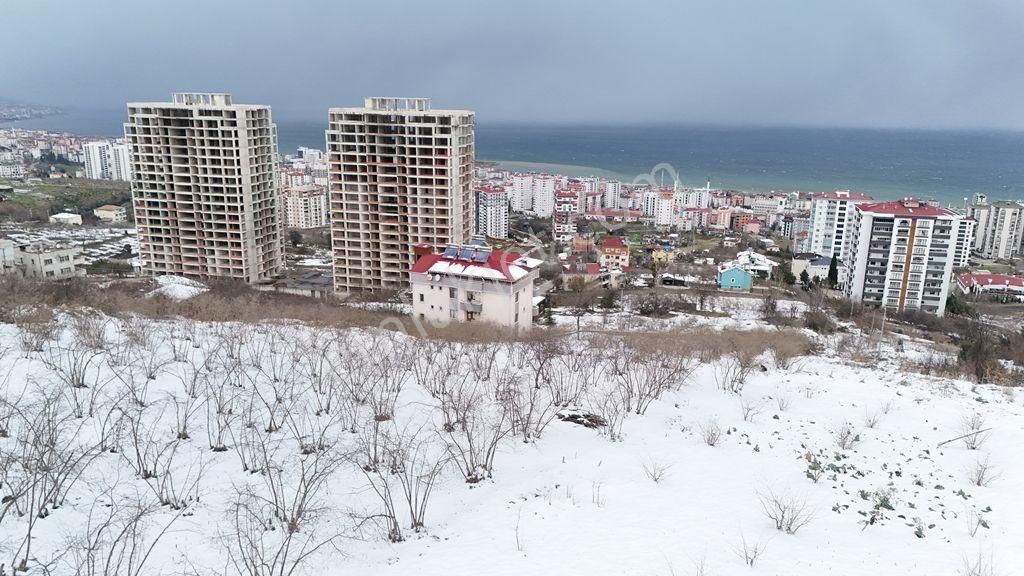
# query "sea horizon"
(946, 165)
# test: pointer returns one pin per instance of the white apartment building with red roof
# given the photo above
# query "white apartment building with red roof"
(473, 283)
(901, 255)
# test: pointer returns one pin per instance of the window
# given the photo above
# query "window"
(517, 297)
(453, 293)
(453, 313)
(48, 261)
(421, 297)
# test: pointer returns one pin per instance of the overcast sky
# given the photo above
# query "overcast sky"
(872, 63)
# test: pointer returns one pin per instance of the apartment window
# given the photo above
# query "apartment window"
(421, 297)
(453, 293)
(517, 297)
(49, 272)
(48, 261)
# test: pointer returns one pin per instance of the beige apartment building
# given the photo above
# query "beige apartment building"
(400, 174)
(305, 206)
(204, 187)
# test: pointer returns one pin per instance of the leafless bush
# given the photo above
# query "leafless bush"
(474, 424)
(748, 551)
(782, 401)
(789, 513)
(980, 566)
(117, 539)
(871, 419)
(785, 351)
(277, 528)
(973, 428)
(410, 461)
(982, 473)
(846, 437)
(732, 371)
(975, 521)
(37, 327)
(529, 405)
(711, 432)
(643, 376)
(656, 471)
(750, 409)
(610, 406)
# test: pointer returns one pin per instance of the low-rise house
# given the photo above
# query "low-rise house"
(984, 282)
(613, 253)
(66, 219)
(110, 213)
(45, 261)
(817, 266)
(733, 277)
(754, 263)
(474, 283)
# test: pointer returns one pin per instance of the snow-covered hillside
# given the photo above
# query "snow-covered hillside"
(131, 446)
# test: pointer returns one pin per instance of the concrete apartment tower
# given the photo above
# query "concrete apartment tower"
(204, 187)
(400, 174)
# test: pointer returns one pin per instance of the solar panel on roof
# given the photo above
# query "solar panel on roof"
(481, 255)
(466, 254)
(451, 251)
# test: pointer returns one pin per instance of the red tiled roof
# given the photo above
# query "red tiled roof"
(593, 268)
(975, 279)
(908, 207)
(491, 189)
(612, 242)
(498, 260)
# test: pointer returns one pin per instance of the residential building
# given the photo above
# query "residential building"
(400, 175)
(733, 277)
(544, 186)
(964, 243)
(66, 219)
(492, 212)
(12, 170)
(7, 256)
(105, 160)
(754, 263)
(521, 198)
(1004, 230)
(305, 206)
(563, 220)
(613, 253)
(984, 282)
(473, 283)
(46, 261)
(817, 267)
(979, 211)
(900, 255)
(831, 214)
(112, 214)
(204, 187)
(612, 193)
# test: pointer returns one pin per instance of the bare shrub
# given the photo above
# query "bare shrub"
(982, 473)
(782, 401)
(474, 424)
(732, 371)
(789, 513)
(846, 437)
(750, 409)
(655, 471)
(981, 565)
(710, 432)
(277, 526)
(749, 551)
(871, 419)
(785, 351)
(973, 428)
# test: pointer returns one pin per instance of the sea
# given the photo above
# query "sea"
(947, 166)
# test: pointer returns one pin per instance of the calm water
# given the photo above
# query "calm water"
(947, 166)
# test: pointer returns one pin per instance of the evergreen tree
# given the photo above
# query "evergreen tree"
(833, 272)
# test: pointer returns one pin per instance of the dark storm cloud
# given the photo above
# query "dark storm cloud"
(921, 63)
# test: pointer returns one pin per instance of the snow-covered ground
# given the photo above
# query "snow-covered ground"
(857, 446)
(177, 287)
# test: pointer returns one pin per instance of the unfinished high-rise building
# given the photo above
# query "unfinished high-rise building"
(400, 175)
(204, 187)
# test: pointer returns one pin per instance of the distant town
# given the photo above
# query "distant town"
(397, 207)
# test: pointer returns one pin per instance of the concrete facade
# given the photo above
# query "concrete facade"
(204, 187)
(400, 175)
